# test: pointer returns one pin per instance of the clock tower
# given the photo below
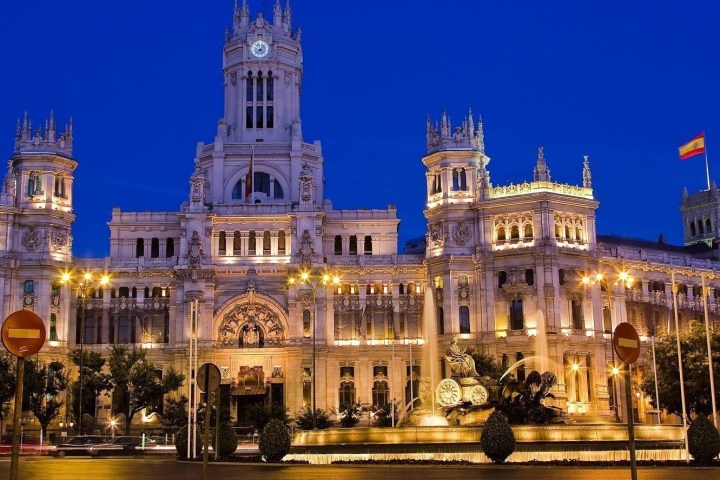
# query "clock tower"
(262, 66)
(258, 155)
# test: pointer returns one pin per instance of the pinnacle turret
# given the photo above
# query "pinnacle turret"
(587, 177)
(442, 136)
(542, 172)
(48, 141)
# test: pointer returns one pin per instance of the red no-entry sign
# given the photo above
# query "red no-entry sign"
(23, 333)
(626, 343)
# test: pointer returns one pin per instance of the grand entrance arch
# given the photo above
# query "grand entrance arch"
(250, 328)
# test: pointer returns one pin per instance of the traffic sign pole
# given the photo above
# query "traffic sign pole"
(626, 343)
(23, 334)
(17, 410)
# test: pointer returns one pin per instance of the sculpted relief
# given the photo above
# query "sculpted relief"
(251, 325)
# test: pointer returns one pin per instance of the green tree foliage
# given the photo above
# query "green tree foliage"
(228, 441)
(695, 371)
(7, 382)
(175, 412)
(259, 415)
(703, 440)
(303, 419)
(485, 365)
(136, 380)
(497, 439)
(94, 382)
(383, 414)
(350, 415)
(274, 441)
(42, 385)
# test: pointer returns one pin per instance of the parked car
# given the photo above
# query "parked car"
(116, 445)
(77, 445)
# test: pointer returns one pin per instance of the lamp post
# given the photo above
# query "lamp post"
(624, 279)
(313, 280)
(84, 283)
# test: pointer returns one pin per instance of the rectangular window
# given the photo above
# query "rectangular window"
(464, 319)
(221, 243)
(441, 321)
(281, 242)
(237, 243)
(517, 321)
(270, 117)
(29, 287)
(353, 245)
(578, 323)
(249, 117)
(259, 117)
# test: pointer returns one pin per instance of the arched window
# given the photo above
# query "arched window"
(501, 234)
(278, 188)
(252, 244)
(237, 243)
(353, 245)
(155, 248)
(270, 86)
(708, 226)
(170, 248)
(700, 227)
(221, 243)
(578, 234)
(557, 231)
(266, 242)
(249, 88)
(59, 186)
(455, 179)
(259, 86)
(347, 386)
(238, 191)
(528, 231)
(139, 248)
(514, 232)
(124, 329)
(463, 180)
(567, 232)
(367, 244)
(337, 248)
(692, 229)
(281, 242)
(146, 292)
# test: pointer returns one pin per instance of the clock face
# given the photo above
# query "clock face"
(259, 49)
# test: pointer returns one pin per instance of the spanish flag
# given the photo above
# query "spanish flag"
(693, 147)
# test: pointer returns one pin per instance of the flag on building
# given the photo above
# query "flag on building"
(695, 146)
(249, 178)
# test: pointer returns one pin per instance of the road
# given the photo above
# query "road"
(42, 468)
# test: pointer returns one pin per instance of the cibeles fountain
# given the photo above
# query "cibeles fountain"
(448, 422)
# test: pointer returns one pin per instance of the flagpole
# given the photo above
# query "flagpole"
(707, 168)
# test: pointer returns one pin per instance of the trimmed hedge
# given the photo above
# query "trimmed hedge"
(274, 441)
(497, 439)
(703, 440)
(181, 444)
(228, 442)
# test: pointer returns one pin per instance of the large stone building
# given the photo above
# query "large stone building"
(500, 267)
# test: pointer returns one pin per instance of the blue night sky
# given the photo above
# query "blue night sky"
(624, 82)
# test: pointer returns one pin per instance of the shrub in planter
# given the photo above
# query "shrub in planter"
(303, 419)
(181, 444)
(497, 439)
(703, 440)
(383, 414)
(350, 415)
(274, 441)
(228, 441)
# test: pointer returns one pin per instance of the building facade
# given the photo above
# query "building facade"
(501, 267)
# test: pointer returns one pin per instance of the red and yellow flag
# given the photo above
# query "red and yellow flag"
(693, 147)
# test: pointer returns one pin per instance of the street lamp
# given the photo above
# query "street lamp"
(626, 280)
(84, 283)
(314, 280)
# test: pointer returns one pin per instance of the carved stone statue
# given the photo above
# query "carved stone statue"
(461, 363)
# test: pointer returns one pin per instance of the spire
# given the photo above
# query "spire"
(542, 172)
(587, 177)
(277, 13)
(480, 135)
(241, 16)
(287, 16)
(471, 122)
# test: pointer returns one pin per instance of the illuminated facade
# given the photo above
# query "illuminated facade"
(501, 267)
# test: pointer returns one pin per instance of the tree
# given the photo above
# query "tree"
(695, 371)
(274, 441)
(175, 412)
(485, 365)
(137, 381)
(7, 384)
(41, 386)
(497, 439)
(94, 383)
